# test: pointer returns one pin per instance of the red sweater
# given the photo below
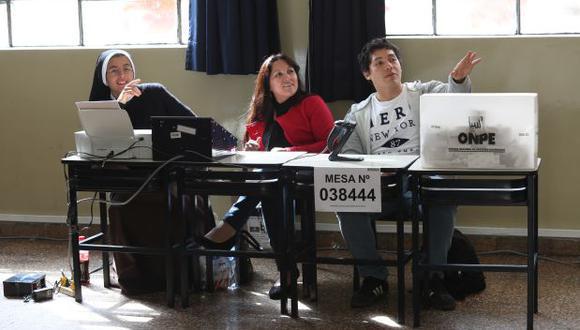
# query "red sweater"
(306, 125)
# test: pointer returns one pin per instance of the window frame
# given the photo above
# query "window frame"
(518, 31)
(8, 22)
(179, 30)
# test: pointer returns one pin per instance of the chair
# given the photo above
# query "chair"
(306, 249)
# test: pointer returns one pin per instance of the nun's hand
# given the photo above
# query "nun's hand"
(129, 91)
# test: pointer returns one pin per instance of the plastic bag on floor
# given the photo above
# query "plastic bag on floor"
(224, 273)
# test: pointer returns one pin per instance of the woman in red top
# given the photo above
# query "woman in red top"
(281, 117)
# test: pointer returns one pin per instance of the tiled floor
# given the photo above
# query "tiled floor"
(501, 306)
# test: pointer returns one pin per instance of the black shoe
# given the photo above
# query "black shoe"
(251, 240)
(246, 270)
(371, 291)
(209, 244)
(437, 297)
(275, 292)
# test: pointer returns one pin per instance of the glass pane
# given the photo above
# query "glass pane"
(3, 26)
(109, 22)
(476, 17)
(184, 21)
(408, 17)
(540, 16)
(45, 23)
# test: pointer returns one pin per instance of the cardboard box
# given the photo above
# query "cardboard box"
(482, 131)
(257, 229)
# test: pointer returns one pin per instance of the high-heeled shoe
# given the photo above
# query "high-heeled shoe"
(251, 240)
(213, 245)
(275, 292)
(230, 242)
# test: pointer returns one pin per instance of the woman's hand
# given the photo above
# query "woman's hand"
(129, 91)
(279, 149)
(464, 67)
(252, 145)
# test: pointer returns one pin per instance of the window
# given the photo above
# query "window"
(184, 21)
(27, 23)
(44, 23)
(408, 17)
(130, 22)
(3, 27)
(562, 16)
(476, 17)
(481, 17)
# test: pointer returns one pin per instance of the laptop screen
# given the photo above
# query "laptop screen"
(195, 138)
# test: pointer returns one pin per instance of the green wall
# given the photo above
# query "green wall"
(38, 88)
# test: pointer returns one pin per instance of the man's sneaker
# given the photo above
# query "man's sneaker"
(371, 291)
(437, 296)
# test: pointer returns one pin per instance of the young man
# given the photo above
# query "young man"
(388, 123)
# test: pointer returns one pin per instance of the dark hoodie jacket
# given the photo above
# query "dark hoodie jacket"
(155, 99)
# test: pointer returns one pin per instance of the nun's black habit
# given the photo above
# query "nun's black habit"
(143, 221)
(155, 99)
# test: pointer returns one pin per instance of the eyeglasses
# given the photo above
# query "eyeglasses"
(116, 72)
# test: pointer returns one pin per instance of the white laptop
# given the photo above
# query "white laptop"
(483, 131)
(108, 131)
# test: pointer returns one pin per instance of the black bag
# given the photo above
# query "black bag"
(140, 223)
(463, 283)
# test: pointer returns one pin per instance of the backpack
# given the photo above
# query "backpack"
(463, 283)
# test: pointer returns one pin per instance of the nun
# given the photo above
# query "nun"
(143, 221)
(114, 79)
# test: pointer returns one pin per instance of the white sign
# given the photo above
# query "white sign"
(347, 189)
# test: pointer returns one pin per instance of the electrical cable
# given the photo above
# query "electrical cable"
(132, 146)
(147, 180)
(93, 199)
(138, 191)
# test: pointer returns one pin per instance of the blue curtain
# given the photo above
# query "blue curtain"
(338, 30)
(231, 36)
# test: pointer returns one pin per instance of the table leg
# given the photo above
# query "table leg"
(531, 253)
(169, 263)
(74, 237)
(105, 231)
(181, 255)
(401, 254)
(416, 252)
(536, 247)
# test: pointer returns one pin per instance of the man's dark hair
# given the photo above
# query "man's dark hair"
(364, 57)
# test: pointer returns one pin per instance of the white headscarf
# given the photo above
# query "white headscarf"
(108, 58)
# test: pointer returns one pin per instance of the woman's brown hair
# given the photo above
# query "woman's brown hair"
(262, 104)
